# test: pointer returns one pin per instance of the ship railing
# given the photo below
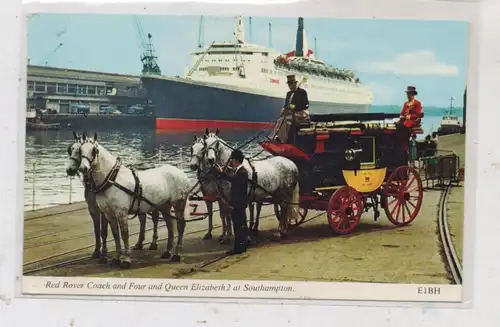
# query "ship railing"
(72, 191)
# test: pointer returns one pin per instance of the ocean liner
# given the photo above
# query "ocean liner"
(236, 84)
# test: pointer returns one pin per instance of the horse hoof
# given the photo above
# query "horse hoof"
(137, 247)
(153, 247)
(276, 237)
(175, 258)
(225, 240)
(125, 265)
(220, 238)
(96, 254)
(166, 255)
(255, 231)
(115, 262)
(208, 236)
(103, 259)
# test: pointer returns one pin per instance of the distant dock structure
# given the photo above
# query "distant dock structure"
(60, 90)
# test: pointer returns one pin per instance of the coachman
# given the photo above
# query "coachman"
(411, 115)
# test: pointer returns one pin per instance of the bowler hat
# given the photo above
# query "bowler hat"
(237, 155)
(411, 90)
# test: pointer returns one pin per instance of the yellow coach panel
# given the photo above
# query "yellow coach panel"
(365, 180)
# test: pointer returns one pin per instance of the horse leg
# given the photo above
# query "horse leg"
(123, 222)
(165, 212)
(142, 232)
(96, 220)
(210, 212)
(226, 220)
(155, 216)
(104, 238)
(223, 235)
(258, 206)
(181, 225)
(251, 208)
(113, 223)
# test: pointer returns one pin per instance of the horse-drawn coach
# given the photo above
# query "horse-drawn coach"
(350, 163)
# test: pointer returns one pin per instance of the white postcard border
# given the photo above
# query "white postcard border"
(240, 289)
(354, 11)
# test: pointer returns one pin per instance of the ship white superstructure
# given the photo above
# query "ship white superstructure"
(239, 65)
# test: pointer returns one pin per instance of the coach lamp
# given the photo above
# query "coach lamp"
(350, 154)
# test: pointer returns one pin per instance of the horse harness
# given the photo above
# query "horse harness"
(110, 181)
(201, 178)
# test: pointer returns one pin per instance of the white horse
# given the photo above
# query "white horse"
(99, 219)
(121, 191)
(275, 178)
(211, 187)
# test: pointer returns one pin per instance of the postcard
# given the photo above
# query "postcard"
(245, 157)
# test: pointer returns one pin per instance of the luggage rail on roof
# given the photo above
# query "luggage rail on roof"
(325, 118)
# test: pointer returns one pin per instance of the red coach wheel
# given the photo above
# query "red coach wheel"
(299, 217)
(344, 210)
(402, 196)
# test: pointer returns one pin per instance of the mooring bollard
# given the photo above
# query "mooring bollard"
(33, 191)
(70, 188)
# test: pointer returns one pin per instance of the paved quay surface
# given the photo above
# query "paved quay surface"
(376, 252)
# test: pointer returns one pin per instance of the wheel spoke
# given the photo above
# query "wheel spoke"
(395, 207)
(414, 206)
(408, 184)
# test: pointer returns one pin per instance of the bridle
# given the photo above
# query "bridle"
(78, 160)
(201, 155)
(95, 153)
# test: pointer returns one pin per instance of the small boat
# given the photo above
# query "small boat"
(41, 126)
(450, 124)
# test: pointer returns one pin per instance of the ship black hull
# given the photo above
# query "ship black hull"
(185, 105)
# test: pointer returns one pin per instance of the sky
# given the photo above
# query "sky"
(387, 55)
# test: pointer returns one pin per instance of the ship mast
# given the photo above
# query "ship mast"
(239, 33)
(270, 36)
(315, 48)
(250, 29)
(201, 28)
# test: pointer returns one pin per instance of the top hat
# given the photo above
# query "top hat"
(290, 79)
(411, 90)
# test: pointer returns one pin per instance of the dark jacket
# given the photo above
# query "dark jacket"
(238, 198)
(299, 99)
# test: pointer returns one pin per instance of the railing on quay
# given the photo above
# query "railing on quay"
(160, 157)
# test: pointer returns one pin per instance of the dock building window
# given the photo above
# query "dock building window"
(31, 86)
(91, 90)
(39, 87)
(51, 88)
(62, 88)
(82, 89)
(71, 88)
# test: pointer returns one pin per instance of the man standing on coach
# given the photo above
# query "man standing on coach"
(410, 116)
(238, 201)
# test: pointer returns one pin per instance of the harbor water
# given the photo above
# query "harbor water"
(45, 180)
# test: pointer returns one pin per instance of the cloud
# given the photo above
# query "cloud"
(412, 63)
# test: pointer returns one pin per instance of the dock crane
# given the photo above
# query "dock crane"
(148, 58)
